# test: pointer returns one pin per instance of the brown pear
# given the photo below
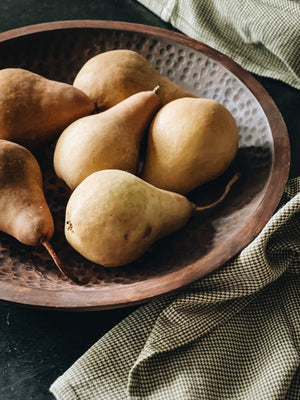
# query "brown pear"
(190, 142)
(113, 217)
(112, 76)
(25, 214)
(110, 139)
(34, 110)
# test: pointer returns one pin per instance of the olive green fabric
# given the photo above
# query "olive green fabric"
(263, 36)
(235, 334)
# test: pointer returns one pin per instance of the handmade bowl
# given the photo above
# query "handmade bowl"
(57, 51)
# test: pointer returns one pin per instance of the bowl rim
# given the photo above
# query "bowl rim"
(88, 299)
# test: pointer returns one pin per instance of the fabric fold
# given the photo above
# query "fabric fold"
(251, 356)
(263, 36)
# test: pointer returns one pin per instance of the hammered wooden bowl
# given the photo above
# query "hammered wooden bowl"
(57, 51)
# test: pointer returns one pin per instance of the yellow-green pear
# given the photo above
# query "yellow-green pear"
(25, 214)
(190, 142)
(34, 110)
(110, 139)
(113, 217)
(114, 75)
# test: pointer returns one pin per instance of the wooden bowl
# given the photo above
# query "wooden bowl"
(57, 51)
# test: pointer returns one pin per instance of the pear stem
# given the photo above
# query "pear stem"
(156, 89)
(235, 177)
(57, 260)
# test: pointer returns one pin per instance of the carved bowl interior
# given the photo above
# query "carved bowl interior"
(57, 51)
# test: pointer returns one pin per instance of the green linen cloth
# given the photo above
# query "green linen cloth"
(235, 334)
(263, 36)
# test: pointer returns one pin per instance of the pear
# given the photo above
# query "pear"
(114, 75)
(25, 214)
(190, 142)
(34, 110)
(113, 217)
(108, 140)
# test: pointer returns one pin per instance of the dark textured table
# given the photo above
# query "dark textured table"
(36, 346)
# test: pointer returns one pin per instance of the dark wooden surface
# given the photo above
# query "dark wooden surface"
(36, 345)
